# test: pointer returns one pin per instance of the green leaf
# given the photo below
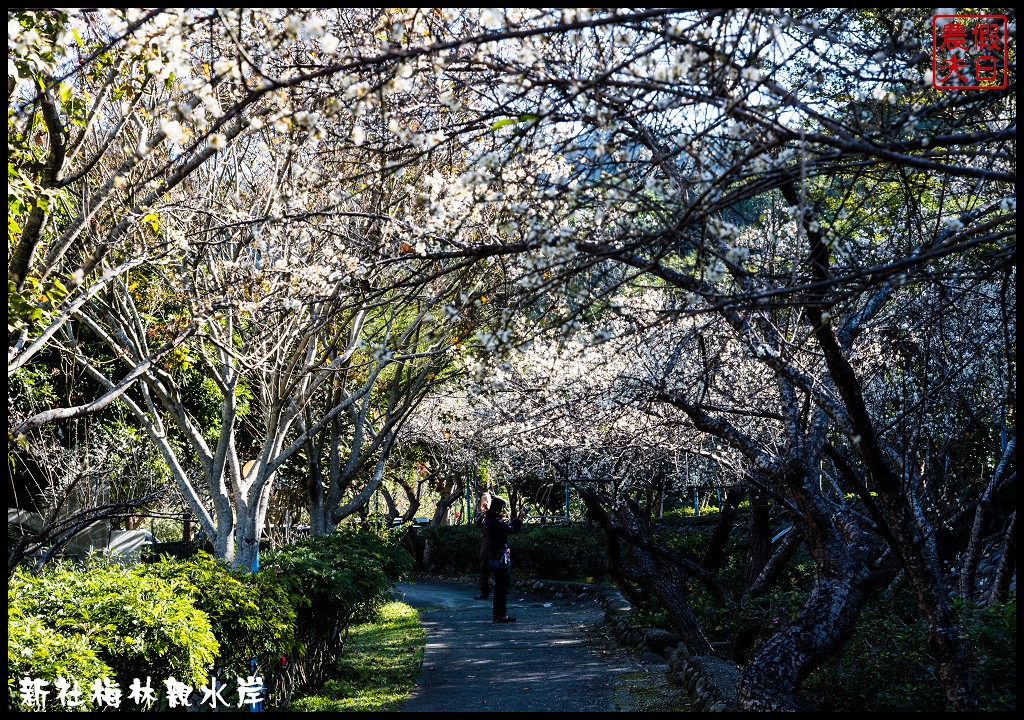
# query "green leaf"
(525, 117)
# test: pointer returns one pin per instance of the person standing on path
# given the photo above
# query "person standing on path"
(500, 555)
(485, 555)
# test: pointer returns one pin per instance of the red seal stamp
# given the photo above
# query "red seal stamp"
(969, 52)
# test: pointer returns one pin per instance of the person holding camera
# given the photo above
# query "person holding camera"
(499, 553)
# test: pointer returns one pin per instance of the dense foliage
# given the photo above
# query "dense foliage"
(333, 581)
(383, 658)
(198, 618)
(37, 651)
(573, 552)
(136, 624)
(251, 615)
(886, 665)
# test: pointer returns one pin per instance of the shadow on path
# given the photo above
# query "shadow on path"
(543, 662)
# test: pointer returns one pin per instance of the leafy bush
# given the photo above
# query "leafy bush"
(887, 666)
(381, 662)
(557, 552)
(250, 615)
(37, 651)
(348, 572)
(334, 580)
(993, 634)
(135, 624)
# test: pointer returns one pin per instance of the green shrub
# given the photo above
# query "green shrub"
(887, 666)
(36, 651)
(348, 572)
(993, 635)
(557, 552)
(250, 614)
(138, 625)
(334, 580)
(454, 549)
(381, 663)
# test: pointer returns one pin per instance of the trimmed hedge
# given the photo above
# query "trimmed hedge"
(332, 581)
(554, 552)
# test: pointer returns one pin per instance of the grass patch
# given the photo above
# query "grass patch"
(379, 668)
(648, 691)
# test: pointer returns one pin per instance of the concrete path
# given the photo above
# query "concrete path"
(552, 659)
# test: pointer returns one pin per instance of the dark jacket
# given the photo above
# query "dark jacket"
(497, 534)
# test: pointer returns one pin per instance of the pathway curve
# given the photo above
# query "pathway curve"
(552, 659)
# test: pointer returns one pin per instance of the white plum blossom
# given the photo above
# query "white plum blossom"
(329, 43)
(357, 90)
(380, 352)
(307, 119)
(223, 67)
(737, 255)
(715, 271)
(172, 129)
(491, 18)
(882, 95)
(449, 312)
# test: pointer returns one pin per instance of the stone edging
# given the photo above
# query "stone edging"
(710, 681)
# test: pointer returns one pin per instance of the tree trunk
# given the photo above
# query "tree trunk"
(668, 583)
(776, 564)
(613, 547)
(1007, 566)
(911, 542)
(759, 547)
(315, 490)
(666, 580)
(841, 552)
(715, 554)
(771, 680)
(247, 532)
